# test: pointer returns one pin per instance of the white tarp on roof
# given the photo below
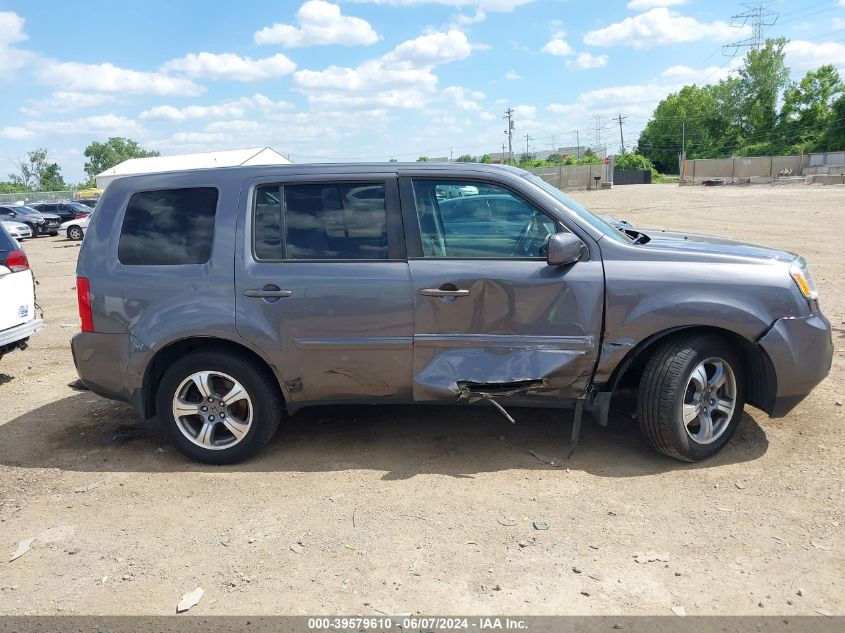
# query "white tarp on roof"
(228, 158)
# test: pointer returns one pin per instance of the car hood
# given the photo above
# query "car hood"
(13, 224)
(694, 242)
(45, 216)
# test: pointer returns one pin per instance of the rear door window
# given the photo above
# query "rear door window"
(168, 227)
(321, 222)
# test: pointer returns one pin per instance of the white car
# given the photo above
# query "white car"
(17, 230)
(17, 288)
(75, 229)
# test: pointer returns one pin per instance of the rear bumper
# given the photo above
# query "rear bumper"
(102, 362)
(20, 332)
(801, 352)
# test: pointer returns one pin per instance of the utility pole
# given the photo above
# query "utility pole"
(577, 145)
(683, 149)
(509, 116)
(598, 133)
(761, 17)
(621, 118)
(553, 139)
(527, 139)
(503, 153)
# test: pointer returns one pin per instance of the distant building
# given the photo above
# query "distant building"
(179, 162)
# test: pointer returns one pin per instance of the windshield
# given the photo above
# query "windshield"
(79, 207)
(580, 211)
(24, 210)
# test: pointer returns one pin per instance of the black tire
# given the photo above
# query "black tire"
(74, 233)
(260, 385)
(664, 387)
(53, 233)
(33, 230)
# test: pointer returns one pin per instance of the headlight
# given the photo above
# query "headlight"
(801, 275)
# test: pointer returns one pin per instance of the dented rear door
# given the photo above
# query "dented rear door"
(491, 317)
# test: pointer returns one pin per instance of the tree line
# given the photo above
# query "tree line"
(36, 172)
(757, 112)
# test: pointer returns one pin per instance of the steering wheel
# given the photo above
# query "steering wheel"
(522, 246)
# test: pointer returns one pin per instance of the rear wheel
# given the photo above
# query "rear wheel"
(218, 407)
(691, 397)
(74, 233)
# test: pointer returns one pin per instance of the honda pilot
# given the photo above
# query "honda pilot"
(221, 300)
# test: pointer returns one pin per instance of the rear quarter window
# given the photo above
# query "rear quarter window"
(168, 227)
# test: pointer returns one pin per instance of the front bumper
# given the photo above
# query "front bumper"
(801, 353)
(20, 332)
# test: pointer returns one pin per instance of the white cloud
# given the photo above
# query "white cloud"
(15, 133)
(104, 124)
(512, 75)
(493, 6)
(402, 78)
(802, 56)
(238, 125)
(232, 109)
(432, 48)
(76, 77)
(320, 23)
(11, 32)
(65, 101)
(558, 45)
(701, 76)
(638, 5)
(586, 61)
(658, 27)
(463, 20)
(230, 66)
(464, 99)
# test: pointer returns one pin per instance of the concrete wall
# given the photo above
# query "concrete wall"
(740, 168)
(573, 176)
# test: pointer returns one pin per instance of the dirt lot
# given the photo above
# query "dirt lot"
(430, 509)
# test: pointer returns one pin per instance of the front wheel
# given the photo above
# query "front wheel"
(218, 407)
(691, 397)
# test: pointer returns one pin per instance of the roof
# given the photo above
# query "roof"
(180, 162)
(341, 169)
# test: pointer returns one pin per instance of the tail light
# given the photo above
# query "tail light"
(83, 297)
(16, 261)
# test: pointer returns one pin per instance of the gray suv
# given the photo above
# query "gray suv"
(222, 299)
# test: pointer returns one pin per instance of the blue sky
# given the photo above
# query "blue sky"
(364, 79)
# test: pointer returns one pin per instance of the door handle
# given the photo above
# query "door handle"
(437, 292)
(265, 293)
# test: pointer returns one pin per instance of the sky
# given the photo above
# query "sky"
(353, 80)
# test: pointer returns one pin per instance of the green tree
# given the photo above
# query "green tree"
(762, 78)
(833, 138)
(103, 156)
(466, 158)
(35, 172)
(486, 159)
(808, 106)
(423, 159)
(631, 161)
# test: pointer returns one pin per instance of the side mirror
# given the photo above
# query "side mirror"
(564, 249)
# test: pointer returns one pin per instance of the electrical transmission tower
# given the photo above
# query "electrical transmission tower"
(760, 17)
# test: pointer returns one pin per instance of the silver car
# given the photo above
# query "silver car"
(220, 300)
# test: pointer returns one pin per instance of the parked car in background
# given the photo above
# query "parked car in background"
(67, 210)
(88, 202)
(17, 230)
(17, 289)
(75, 229)
(219, 299)
(39, 223)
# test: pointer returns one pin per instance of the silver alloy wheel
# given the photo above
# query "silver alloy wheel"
(709, 400)
(212, 410)
(74, 233)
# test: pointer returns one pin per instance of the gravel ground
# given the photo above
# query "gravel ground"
(431, 509)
